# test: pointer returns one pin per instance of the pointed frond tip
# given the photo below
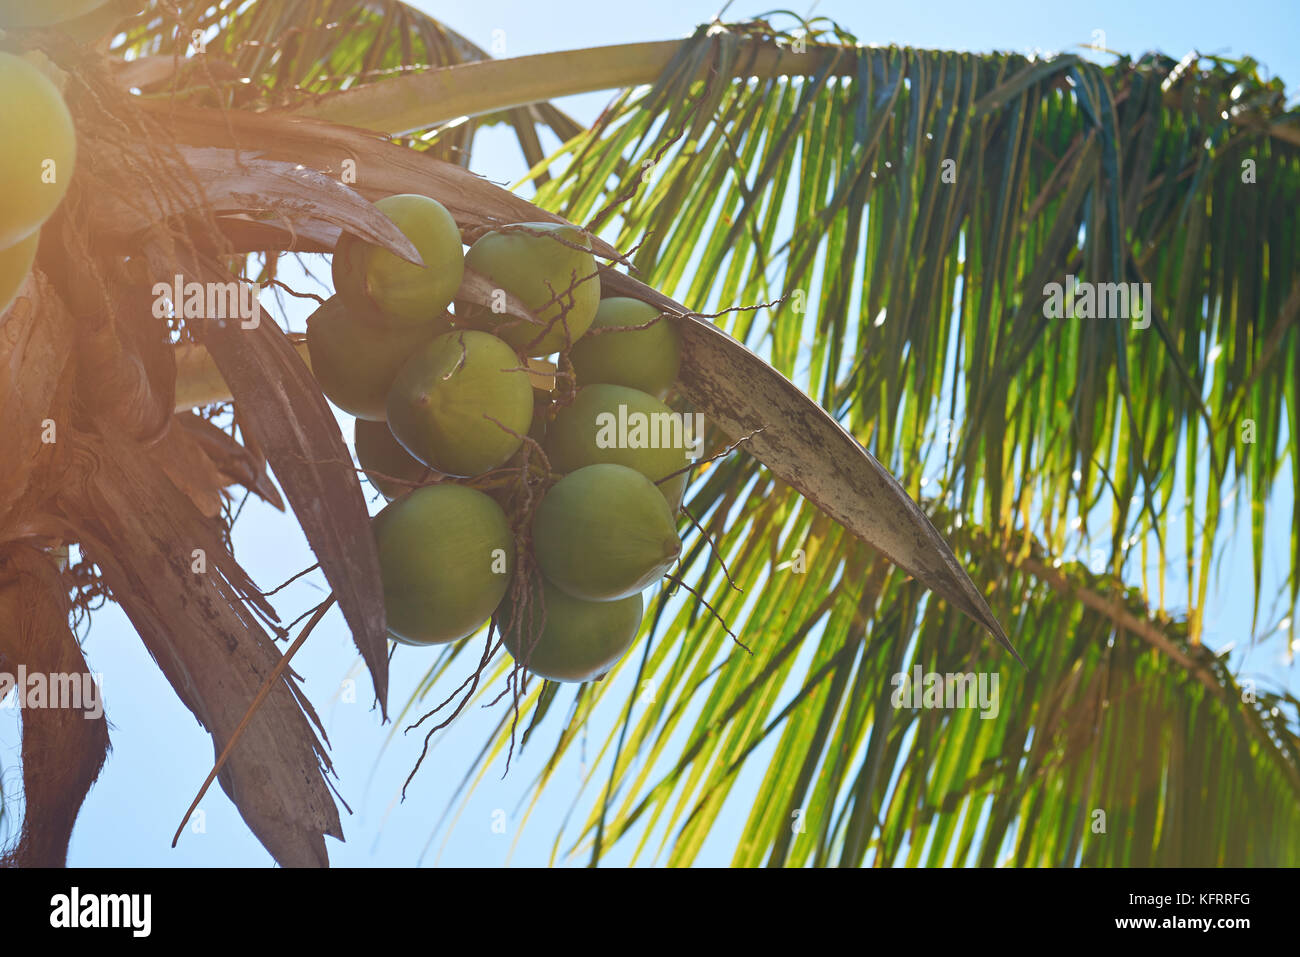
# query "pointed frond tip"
(803, 445)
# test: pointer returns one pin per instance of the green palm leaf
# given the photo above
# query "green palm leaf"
(922, 329)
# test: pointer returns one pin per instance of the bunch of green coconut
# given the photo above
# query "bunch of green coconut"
(510, 491)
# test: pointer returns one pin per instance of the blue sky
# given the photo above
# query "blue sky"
(160, 755)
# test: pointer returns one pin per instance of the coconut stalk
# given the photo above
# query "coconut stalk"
(444, 95)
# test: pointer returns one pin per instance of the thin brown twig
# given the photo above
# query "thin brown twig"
(712, 458)
(276, 673)
(712, 547)
(294, 292)
(489, 649)
(277, 588)
(676, 580)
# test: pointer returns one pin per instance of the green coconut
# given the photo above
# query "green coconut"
(549, 277)
(641, 358)
(39, 152)
(370, 277)
(355, 359)
(15, 264)
(444, 400)
(566, 638)
(446, 556)
(30, 13)
(604, 532)
(388, 466)
(612, 423)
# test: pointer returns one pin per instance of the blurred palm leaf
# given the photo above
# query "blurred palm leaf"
(283, 54)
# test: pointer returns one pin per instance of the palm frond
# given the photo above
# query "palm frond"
(909, 208)
(1122, 743)
(913, 287)
(287, 53)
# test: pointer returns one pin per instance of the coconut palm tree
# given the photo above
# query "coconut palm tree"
(856, 244)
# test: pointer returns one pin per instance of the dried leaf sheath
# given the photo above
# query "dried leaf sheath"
(35, 350)
(189, 601)
(283, 410)
(381, 167)
(64, 748)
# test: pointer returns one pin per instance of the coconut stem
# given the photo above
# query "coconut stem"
(420, 101)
